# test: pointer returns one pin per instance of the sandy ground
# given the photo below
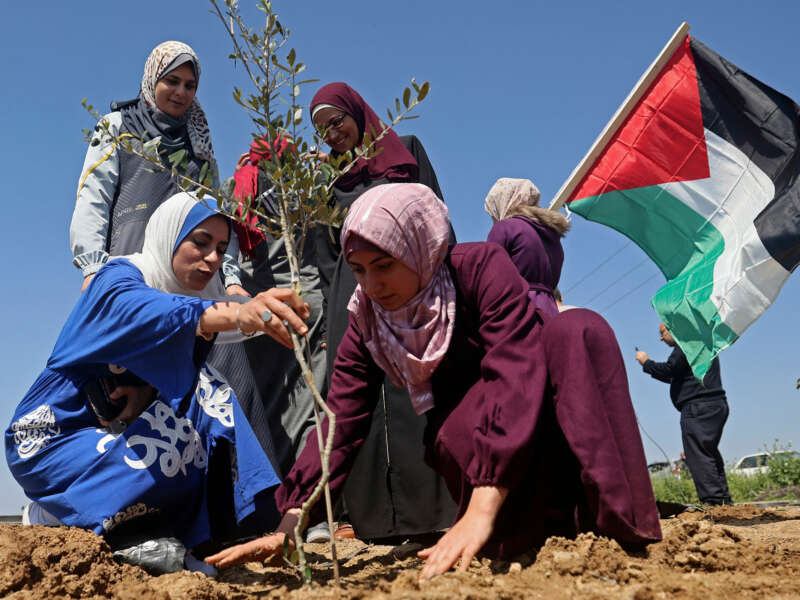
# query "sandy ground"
(730, 552)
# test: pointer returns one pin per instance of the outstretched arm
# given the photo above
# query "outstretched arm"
(675, 366)
(286, 306)
(467, 536)
(262, 549)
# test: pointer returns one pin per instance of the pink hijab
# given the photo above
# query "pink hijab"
(408, 222)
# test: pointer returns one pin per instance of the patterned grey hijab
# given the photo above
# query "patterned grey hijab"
(165, 58)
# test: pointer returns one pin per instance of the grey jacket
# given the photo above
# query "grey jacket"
(97, 189)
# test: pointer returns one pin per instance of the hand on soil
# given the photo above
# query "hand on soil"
(467, 536)
(260, 549)
(462, 542)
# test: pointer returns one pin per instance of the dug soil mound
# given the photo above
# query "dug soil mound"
(727, 552)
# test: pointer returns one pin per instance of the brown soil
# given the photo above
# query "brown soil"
(728, 552)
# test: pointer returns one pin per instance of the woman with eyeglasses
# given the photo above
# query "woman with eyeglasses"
(389, 481)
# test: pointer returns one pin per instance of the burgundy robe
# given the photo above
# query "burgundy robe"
(499, 420)
(537, 253)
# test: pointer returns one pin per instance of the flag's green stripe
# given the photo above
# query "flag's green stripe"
(685, 247)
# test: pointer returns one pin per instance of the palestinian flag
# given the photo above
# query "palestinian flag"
(703, 176)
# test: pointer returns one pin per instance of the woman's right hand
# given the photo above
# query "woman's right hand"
(137, 399)
(262, 549)
(286, 308)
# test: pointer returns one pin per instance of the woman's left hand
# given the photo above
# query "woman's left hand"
(138, 398)
(467, 536)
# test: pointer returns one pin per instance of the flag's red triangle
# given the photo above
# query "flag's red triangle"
(662, 139)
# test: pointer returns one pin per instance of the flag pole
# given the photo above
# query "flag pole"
(622, 113)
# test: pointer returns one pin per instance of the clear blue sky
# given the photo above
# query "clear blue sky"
(518, 89)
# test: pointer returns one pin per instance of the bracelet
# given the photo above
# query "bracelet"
(247, 334)
(203, 333)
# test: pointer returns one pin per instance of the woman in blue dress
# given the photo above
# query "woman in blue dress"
(146, 324)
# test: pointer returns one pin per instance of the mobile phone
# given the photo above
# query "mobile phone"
(98, 394)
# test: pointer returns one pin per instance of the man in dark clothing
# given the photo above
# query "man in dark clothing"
(704, 410)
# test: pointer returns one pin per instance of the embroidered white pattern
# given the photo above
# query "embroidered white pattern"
(214, 395)
(33, 431)
(133, 511)
(103, 441)
(171, 460)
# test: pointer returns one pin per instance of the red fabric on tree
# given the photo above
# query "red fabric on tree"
(246, 185)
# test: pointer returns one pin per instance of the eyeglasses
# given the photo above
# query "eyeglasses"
(334, 123)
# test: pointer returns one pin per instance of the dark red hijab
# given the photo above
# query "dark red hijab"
(394, 162)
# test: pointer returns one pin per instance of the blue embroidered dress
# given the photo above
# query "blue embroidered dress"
(90, 478)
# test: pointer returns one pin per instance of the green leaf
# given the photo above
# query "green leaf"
(177, 157)
(307, 575)
(150, 148)
(290, 57)
(203, 171)
(406, 96)
(286, 546)
(423, 91)
(294, 557)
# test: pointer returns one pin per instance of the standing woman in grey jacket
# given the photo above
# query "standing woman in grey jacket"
(117, 190)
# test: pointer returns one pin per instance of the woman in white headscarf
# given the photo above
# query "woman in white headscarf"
(127, 418)
(118, 191)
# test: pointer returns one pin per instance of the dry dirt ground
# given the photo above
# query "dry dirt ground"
(729, 552)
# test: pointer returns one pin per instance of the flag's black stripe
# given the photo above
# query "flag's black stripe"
(764, 125)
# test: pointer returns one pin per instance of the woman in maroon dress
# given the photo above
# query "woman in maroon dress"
(531, 235)
(531, 427)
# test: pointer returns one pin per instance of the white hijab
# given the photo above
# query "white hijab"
(160, 243)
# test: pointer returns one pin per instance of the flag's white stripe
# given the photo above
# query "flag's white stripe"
(746, 278)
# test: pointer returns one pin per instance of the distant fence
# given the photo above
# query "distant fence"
(10, 518)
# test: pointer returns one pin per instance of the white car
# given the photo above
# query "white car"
(757, 463)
